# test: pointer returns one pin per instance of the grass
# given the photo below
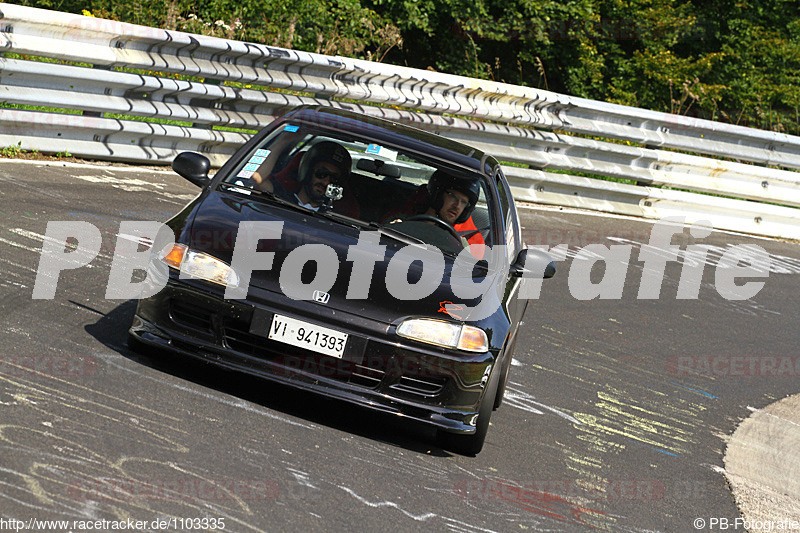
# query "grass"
(152, 120)
(235, 130)
(11, 151)
(15, 151)
(46, 109)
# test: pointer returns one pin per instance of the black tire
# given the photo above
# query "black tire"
(137, 346)
(501, 387)
(473, 444)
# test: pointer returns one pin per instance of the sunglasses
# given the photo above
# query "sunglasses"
(323, 173)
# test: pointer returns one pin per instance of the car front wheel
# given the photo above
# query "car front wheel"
(501, 388)
(135, 345)
(473, 444)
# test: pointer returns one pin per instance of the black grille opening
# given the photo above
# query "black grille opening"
(366, 377)
(237, 336)
(191, 315)
(421, 386)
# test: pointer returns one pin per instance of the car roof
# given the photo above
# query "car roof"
(383, 131)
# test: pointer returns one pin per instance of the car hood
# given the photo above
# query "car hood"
(215, 228)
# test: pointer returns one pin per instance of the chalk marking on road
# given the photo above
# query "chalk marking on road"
(32, 235)
(718, 469)
(21, 246)
(28, 487)
(645, 427)
(526, 402)
(302, 478)
(69, 400)
(419, 518)
(142, 241)
(17, 265)
(651, 447)
(698, 391)
(476, 476)
(126, 184)
(239, 403)
(457, 525)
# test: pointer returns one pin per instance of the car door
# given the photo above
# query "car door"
(512, 241)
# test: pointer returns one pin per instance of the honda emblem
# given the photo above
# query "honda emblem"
(321, 297)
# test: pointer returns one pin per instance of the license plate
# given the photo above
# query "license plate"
(310, 336)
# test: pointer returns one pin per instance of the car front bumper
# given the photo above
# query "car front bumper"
(378, 370)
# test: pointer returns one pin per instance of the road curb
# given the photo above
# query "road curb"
(762, 464)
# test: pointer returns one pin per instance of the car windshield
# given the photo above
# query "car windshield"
(370, 184)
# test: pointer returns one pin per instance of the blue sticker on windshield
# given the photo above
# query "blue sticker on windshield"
(377, 149)
(291, 128)
(257, 160)
(261, 153)
(251, 167)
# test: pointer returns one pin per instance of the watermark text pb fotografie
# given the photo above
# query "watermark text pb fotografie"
(138, 267)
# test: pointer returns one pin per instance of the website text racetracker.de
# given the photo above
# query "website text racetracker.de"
(166, 524)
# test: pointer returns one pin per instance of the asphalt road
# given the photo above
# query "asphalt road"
(615, 419)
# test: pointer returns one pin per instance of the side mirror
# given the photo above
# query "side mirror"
(533, 263)
(192, 166)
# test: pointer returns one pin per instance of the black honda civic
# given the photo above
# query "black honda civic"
(354, 258)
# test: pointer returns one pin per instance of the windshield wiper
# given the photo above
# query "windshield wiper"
(292, 205)
(241, 189)
(384, 229)
(271, 196)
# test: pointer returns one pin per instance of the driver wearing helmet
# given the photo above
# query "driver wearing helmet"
(452, 200)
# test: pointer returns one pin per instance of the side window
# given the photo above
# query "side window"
(509, 215)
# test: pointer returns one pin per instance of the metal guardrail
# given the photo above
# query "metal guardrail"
(163, 75)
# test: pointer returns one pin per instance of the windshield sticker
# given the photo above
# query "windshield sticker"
(257, 160)
(251, 166)
(291, 128)
(246, 174)
(381, 151)
(261, 153)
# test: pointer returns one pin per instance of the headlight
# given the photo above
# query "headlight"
(199, 265)
(447, 334)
